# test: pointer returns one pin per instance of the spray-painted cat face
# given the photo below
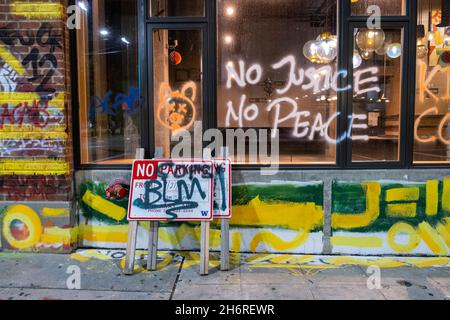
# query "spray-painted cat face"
(177, 110)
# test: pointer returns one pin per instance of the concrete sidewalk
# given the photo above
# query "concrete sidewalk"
(263, 276)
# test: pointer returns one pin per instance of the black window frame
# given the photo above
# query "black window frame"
(208, 23)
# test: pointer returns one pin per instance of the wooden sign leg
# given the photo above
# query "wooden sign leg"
(132, 232)
(225, 245)
(131, 247)
(204, 250)
(225, 230)
(153, 246)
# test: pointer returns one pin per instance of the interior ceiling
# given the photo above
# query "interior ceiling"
(302, 10)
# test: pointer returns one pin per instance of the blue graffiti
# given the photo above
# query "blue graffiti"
(111, 105)
(219, 181)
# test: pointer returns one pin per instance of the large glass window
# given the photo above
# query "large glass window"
(377, 94)
(109, 100)
(432, 109)
(277, 70)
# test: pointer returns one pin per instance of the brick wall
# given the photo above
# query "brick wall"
(36, 162)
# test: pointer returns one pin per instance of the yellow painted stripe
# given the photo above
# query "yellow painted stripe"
(104, 206)
(360, 242)
(444, 230)
(56, 235)
(112, 234)
(402, 194)
(34, 166)
(37, 10)
(446, 195)
(33, 135)
(10, 59)
(404, 210)
(55, 212)
(15, 98)
(432, 198)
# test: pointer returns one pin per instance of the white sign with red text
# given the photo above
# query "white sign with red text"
(171, 190)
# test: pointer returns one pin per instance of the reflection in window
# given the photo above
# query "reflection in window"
(377, 74)
(388, 7)
(176, 8)
(177, 77)
(277, 70)
(110, 102)
(432, 109)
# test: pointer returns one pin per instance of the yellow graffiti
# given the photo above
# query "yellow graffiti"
(406, 210)
(446, 195)
(15, 98)
(352, 221)
(30, 220)
(10, 59)
(104, 206)
(361, 242)
(56, 235)
(380, 262)
(432, 198)
(33, 135)
(37, 10)
(276, 242)
(34, 166)
(102, 234)
(55, 213)
(403, 194)
(403, 228)
(401, 210)
(432, 239)
(444, 230)
(296, 216)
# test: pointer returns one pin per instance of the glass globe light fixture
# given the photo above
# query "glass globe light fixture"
(310, 51)
(327, 50)
(357, 60)
(370, 39)
(366, 55)
(394, 50)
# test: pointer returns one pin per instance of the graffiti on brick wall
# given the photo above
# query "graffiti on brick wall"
(38, 66)
(38, 227)
(367, 218)
(391, 217)
(33, 109)
(37, 10)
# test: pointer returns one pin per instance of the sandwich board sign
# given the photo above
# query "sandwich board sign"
(171, 190)
(222, 189)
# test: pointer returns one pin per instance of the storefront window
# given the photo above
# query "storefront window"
(176, 8)
(432, 109)
(109, 100)
(277, 70)
(387, 7)
(377, 94)
(178, 87)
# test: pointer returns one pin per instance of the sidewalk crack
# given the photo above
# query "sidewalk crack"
(176, 279)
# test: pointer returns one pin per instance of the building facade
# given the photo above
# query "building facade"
(350, 97)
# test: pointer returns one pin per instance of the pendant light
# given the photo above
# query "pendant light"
(370, 39)
(394, 50)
